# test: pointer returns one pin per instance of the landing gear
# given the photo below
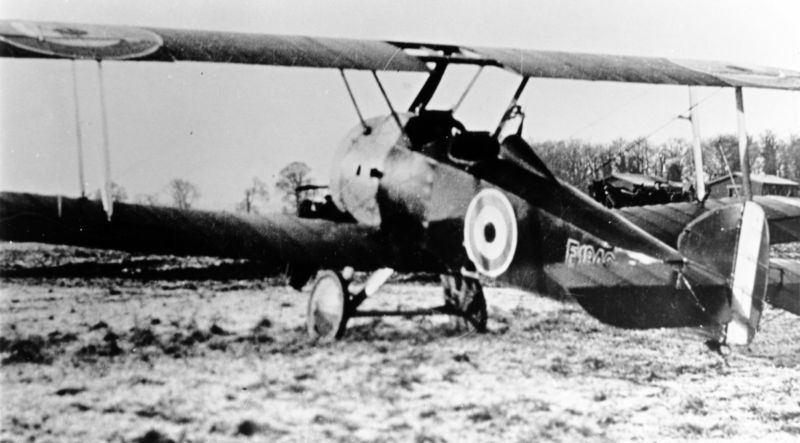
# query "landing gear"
(331, 303)
(463, 296)
(326, 317)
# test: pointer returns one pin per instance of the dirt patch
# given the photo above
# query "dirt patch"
(131, 360)
(153, 436)
(26, 350)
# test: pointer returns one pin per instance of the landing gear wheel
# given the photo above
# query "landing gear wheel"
(465, 297)
(326, 317)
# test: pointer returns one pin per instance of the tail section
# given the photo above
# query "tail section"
(743, 230)
(750, 273)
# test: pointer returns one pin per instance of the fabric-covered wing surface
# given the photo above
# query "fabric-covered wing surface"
(617, 68)
(784, 285)
(276, 239)
(666, 222)
(69, 40)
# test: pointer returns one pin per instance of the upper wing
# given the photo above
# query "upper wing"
(666, 222)
(630, 69)
(275, 240)
(100, 42)
(78, 41)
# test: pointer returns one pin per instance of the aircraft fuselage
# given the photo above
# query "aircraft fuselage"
(418, 183)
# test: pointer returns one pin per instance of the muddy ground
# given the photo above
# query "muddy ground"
(211, 352)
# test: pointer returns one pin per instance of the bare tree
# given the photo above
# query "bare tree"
(290, 179)
(789, 158)
(118, 193)
(725, 149)
(769, 151)
(253, 195)
(147, 199)
(574, 160)
(578, 161)
(183, 192)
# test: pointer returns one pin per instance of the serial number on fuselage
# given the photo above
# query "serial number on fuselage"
(580, 253)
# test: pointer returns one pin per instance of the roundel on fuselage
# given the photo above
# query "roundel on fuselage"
(490, 232)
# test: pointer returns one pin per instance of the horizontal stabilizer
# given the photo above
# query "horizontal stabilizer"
(644, 296)
(784, 285)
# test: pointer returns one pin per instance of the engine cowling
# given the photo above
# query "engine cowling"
(391, 175)
(356, 175)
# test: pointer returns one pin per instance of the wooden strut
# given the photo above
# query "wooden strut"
(744, 159)
(511, 104)
(428, 89)
(367, 129)
(78, 131)
(108, 199)
(700, 184)
(388, 102)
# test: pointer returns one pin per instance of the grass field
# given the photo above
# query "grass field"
(130, 359)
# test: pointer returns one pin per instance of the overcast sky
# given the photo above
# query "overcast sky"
(218, 126)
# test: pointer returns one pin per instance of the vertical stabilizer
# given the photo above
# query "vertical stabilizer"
(734, 242)
(749, 277)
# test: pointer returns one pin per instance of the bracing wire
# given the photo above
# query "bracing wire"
(639, 140)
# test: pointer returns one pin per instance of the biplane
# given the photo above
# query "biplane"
(417, 191)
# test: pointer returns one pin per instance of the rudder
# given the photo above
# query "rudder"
(709, 240)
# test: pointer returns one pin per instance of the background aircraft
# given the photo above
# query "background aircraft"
(427, 194)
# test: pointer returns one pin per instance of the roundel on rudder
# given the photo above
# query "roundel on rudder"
(490, 232)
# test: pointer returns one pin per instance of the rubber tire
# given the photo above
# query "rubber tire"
(327, 324)
(472, 313)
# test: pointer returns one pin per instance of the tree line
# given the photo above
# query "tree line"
(576, 161)
(579, 162)
(183, 194)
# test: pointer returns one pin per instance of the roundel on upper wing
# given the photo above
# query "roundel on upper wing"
(490, 232)
(80, 41)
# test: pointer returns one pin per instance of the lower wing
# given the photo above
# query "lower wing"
(784, 285)
(276, 240)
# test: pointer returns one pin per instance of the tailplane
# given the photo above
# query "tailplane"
(710, 239)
